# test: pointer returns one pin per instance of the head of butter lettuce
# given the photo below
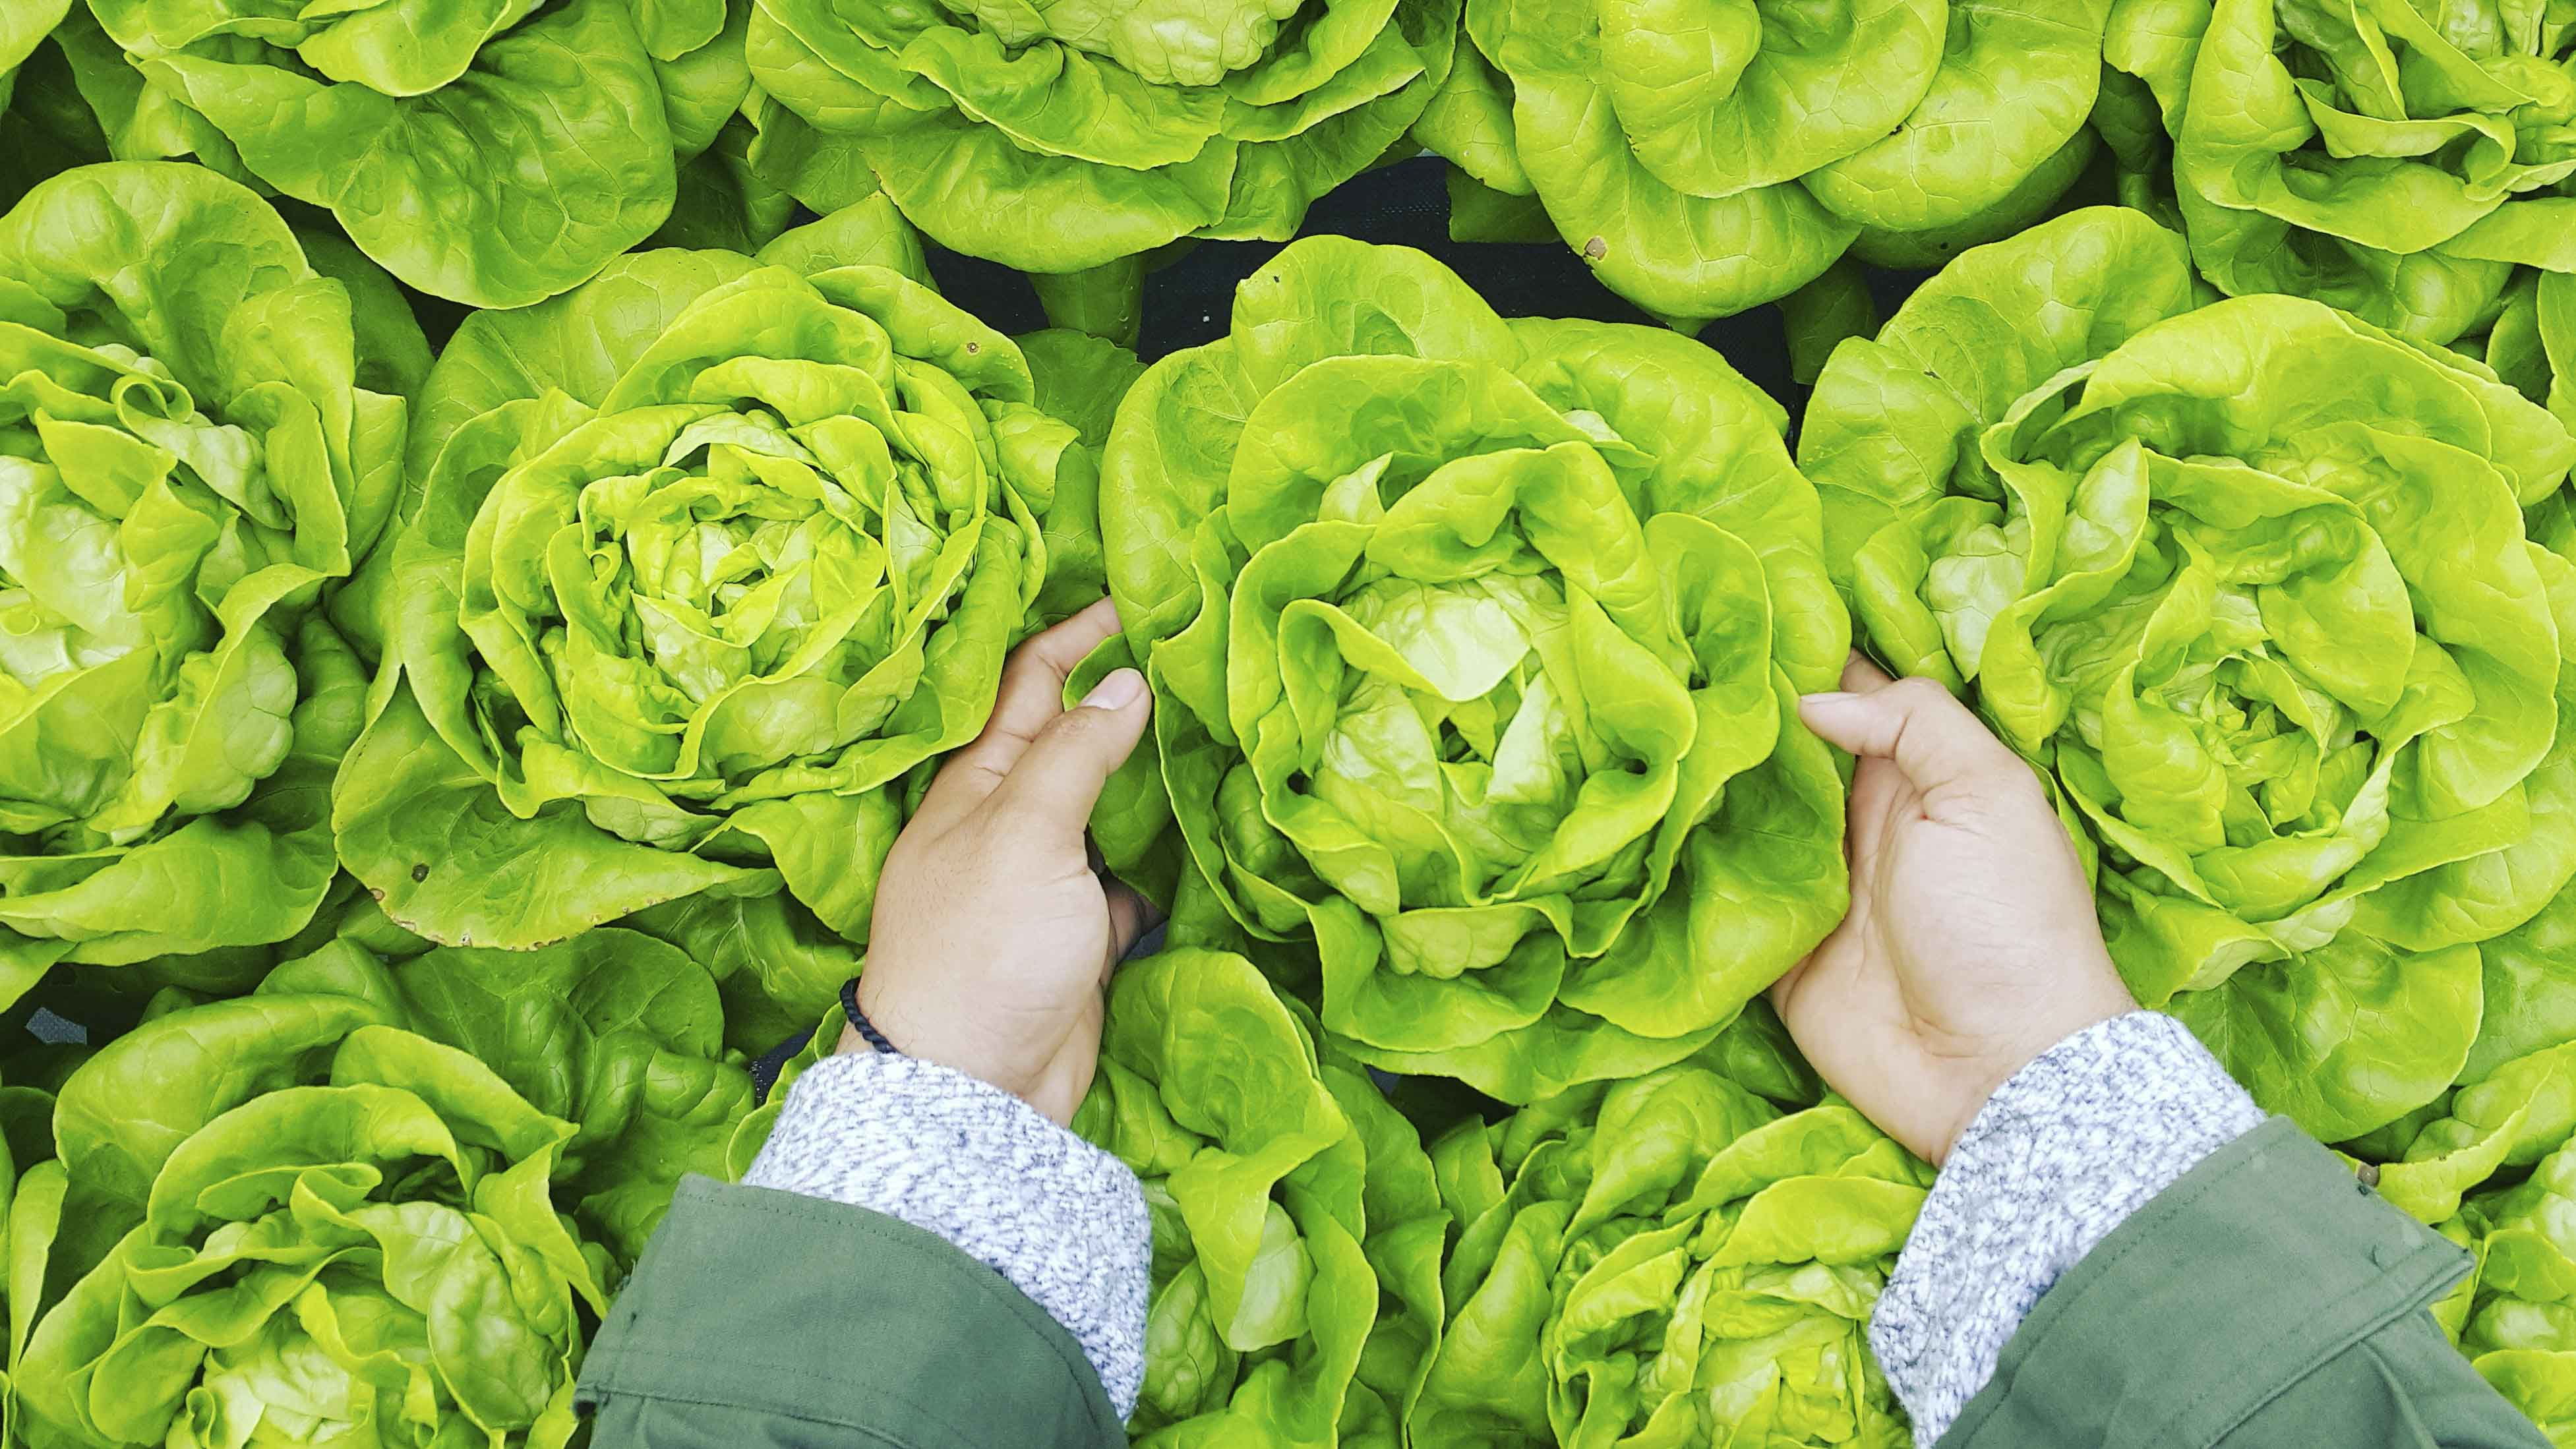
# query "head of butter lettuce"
(1069, 140)
(494, 153)
(202, 422)
(1297, 1229)
(1705, 157)
(2403, 163)
(712, 554)
(1475, 646)
(2249, 582)
(1668, 1260)
(282, 1217)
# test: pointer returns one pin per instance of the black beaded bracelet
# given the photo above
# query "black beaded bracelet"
(859, 1022)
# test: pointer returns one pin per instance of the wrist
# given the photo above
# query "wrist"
(940, 1038)
(906, 1032)
(2001, 1064)
(2079, 1138)
(1062, 1220)
(860, 1035)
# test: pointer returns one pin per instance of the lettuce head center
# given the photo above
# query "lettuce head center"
(1451, 736)
(90, 487)
(62, 598)
(2235, 678)
(741, 560)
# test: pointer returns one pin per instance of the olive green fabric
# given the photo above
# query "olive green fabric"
(2265, 1300)
(759, 1318)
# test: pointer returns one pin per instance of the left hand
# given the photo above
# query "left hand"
(993, 935)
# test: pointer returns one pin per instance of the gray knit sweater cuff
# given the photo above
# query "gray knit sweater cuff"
(2060, 1155)
(1064, 1221)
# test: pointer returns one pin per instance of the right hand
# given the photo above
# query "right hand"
(994, 937)
(1972, 944)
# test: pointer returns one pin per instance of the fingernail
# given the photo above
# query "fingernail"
(1122, 688)
(1829, 700)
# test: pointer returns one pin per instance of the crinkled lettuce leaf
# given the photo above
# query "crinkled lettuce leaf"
(1297, 1228)
(1705, 157)
(711, 556)
(1475, 646)
(2250, 582)
(201, 434)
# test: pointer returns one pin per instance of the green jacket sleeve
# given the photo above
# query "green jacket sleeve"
(2267, 1299)
(759, 1318)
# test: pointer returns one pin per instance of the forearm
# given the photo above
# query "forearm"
(762, 1317)
(2122, 1251)
(1063, 1221)
(2061, 1155)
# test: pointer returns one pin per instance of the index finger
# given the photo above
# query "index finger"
(1031, 696)
(1861, 674)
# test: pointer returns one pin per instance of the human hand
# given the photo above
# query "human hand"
(1972, 945)
(993, 936)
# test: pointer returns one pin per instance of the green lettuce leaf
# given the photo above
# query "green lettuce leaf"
(711, 555)
(201, 431)
(31, 1207)
(1081, 379)
(1667, 1260)
(2249, 582)
(1475, 647)
(1706, 157)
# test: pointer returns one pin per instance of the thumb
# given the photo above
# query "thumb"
(1056, 781)
(1933, 739)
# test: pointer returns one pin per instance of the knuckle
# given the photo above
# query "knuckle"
(2008, 783)
(1075, 725)
(1023, 669)
(2016, 783)
(1088, 727)
(903, 861)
